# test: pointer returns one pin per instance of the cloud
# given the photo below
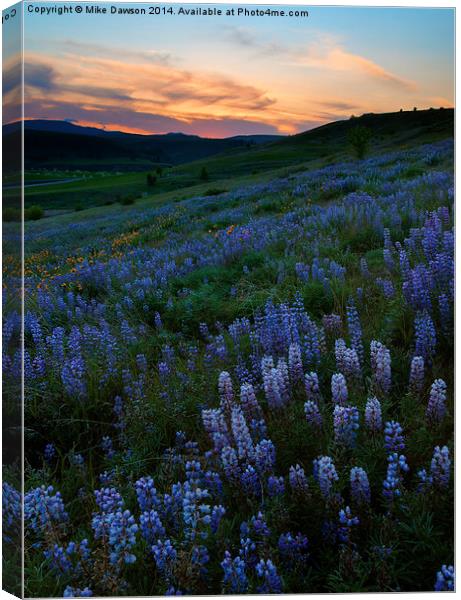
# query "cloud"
(71, 47)
(328, 54)
(144, 96)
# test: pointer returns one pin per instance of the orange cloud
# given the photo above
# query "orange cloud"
(328, 54)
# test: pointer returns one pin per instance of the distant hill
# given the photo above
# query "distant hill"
(60, 144)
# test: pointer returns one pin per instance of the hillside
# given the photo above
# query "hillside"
(59, 144)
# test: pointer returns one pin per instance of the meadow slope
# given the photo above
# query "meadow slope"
(243, 392)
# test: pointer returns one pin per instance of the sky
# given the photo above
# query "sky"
(224, 76)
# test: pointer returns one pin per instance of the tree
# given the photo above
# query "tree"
(204, 174)
(359, 138)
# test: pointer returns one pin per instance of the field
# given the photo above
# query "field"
(241, 385)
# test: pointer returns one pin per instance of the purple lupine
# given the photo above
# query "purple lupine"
(235, 580)
(146, 494)
(242, 437)
(273, 388)
(49, 453)
(440, 467)
(275, 485)
(325, 474)
(311, 383)
(346, 523)
(425, 337)
(215, 425)
(396, 466)
(43, 510)
(230, 463)
(332, 324)
(295, 364)
(72, 592)
(312, 412)
(446, 313)
(445, 580)
(373, 418)
(339, 389)
(437, 405)
(250, 481)
(217, 513)
(345, 425)
(364, 268)
(226, 391)
(355, 329)
(416, 382)
(293, 549)
(298, 480)
(360, 486)
(272, 584)
(381, 365)
(393, 437)
(151, 526)
(250, 406)
(265, 456)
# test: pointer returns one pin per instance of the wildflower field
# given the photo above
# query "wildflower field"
(249, 392)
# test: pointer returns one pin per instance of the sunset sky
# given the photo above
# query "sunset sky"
(223, 76)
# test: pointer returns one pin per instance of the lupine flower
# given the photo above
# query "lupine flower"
(164, 555)
(436, 407)
(11, 512)
(425, 337)
(242, 435)
(196, 514)
(265, 456)
(346, 425)
(355, 329)
(332, 324)
(230, 463)
(325, 474)
(346, 522)
(235, 580)
(313, 416)
(311, 383)
(339, 389)
(298, 480)
(43, 510)
(146, 494)
(216, 515)
(391, 485)
(416, 375)
(151, 526)
(49, 453)
(445, 581)
(275, 486)
(393, 437)
(108, 499)
(249, 403)
(295, 364)
(250, 481)
(272, 584)
(120, 529)
(71, 592)
(373, 419)
(226, 391)
(360, 486)
(440, 466)
(293, 549)
(381, 366)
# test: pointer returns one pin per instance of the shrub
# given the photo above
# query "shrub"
(359, 138)
(34, 213)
